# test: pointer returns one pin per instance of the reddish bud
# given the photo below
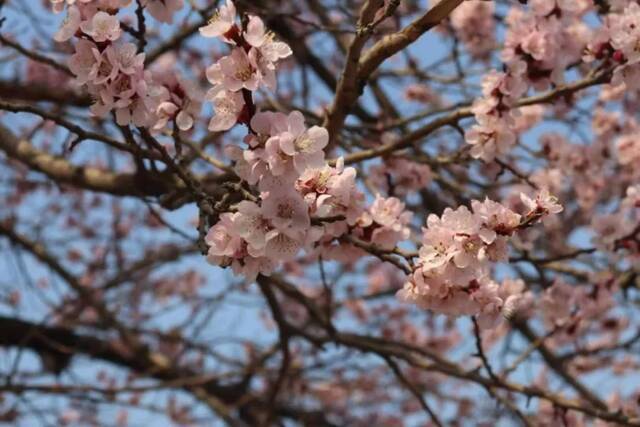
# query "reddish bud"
(618, 56)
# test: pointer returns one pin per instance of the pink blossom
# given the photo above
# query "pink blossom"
(252, 266)
(163, 10)
(389, 213)
(181, 100)
(237, 72)
(632, 199)
(546, 43)
(557, 302)
(124, 58)
(302, 144)
(70, 25)
(517, 300)
(491, 137)
(247, 67)
(59, 5)
(452, 272)
(544, 203)
(388, 219)
(423, 94)
(105, 74)
(287, 210)
(610, 228)
(252, 226)
(401, 175)
(494, 134)
(546, 7)
(165, 111)
(474, 25)
(85, 62)
(279, 163)
(227, 106)
(102, 27)
(222, 239)
(496, 218)
(627, 76)
(628, 149)
(135, 111)
(131, 97)
(221, 22)
(331, 191)
(272, 183)
(262, 40)
(227, 247)
(281, 246)
(625, 33)
(527, 117)
(505, 86)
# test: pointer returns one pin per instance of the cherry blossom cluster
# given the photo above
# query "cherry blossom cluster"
(285, 160)
(452, 275)
(494, 133)
(400, 176)
(580, 163)
(547, 37)
(113, 70)
(303, 202)
(618, 39)
(474, 25)
(258, 236)
(541, 42)
(385, 223)
(574, 309)
(628, 148)
(621, 229)
(162, 10)
(379, 227)
(179, 99)
(250, 65)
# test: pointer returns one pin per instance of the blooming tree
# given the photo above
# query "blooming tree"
(320, 213)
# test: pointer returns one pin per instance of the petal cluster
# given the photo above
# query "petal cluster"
(250, 65)
(301, 199)
(459, 248)
(113, 71)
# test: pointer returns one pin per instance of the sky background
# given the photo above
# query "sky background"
(239, 316)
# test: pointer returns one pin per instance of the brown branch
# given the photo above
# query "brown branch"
(380, 253)
(394, 43)
(35, 92)
(35, 56)
(356, 74)
(302, 52)
(414, 390)
(89, 178)
(284, 335)
(220, 397)
(349, 88)
(425, 359)
(455, 116)
(557, 366)
(161, 256)
(79, 131)
(480, 351)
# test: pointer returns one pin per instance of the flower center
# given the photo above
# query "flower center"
(285, 210)
(303, 143)
(243, 74)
